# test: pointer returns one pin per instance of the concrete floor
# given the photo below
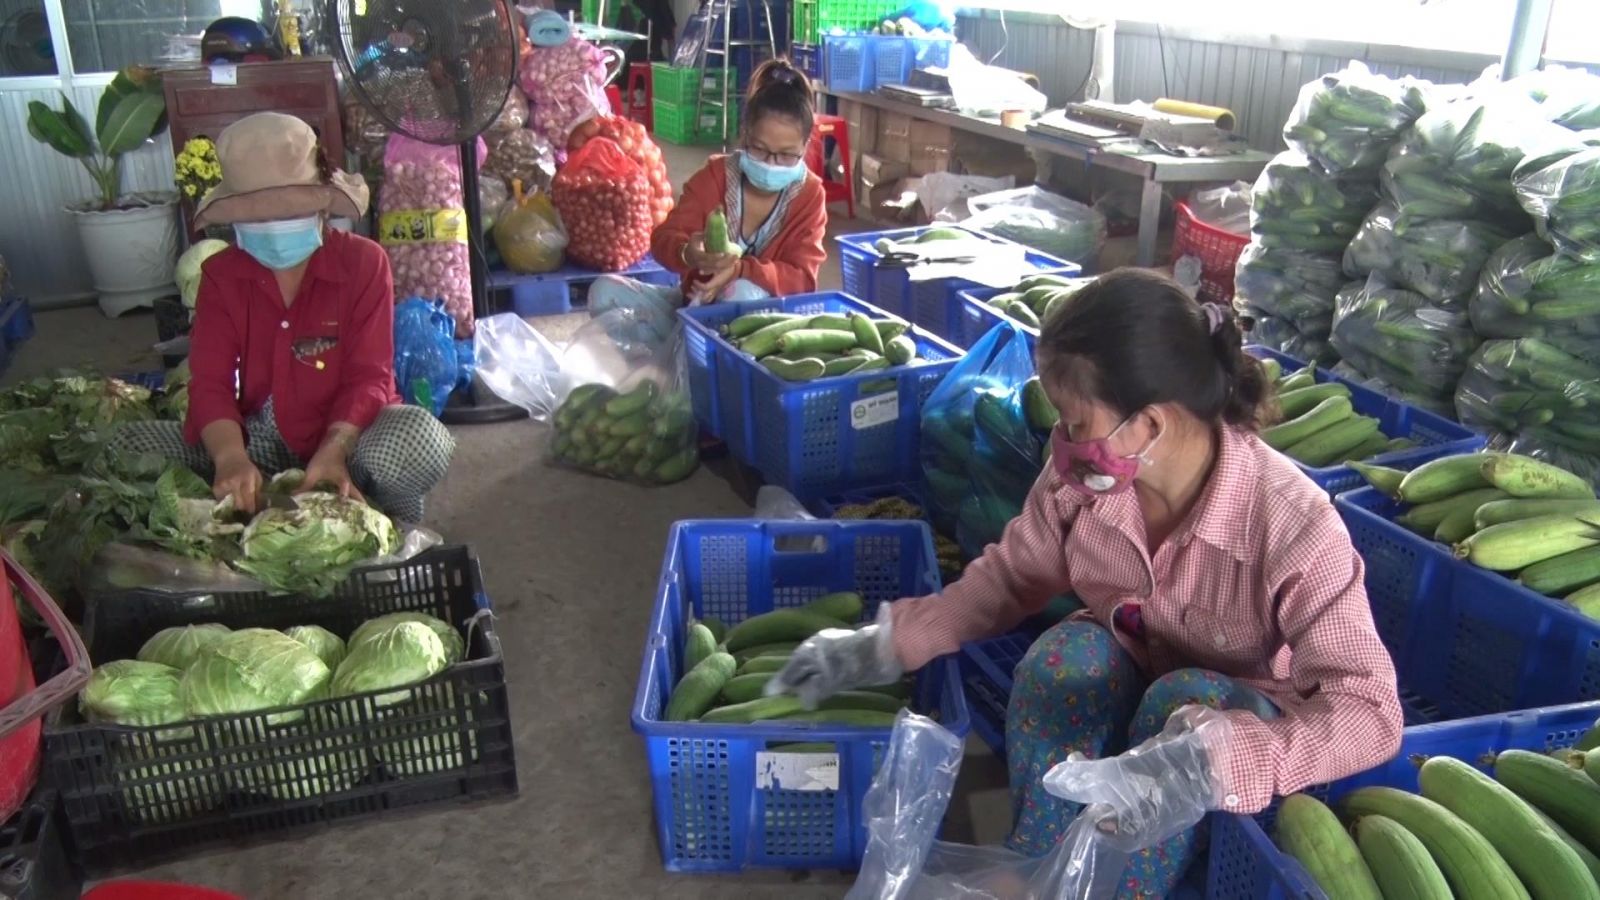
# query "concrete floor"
(570, 563)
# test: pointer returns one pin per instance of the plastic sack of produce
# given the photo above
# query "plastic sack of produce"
(564, 85)
(1296, 206)
(1456, 161)
(492, 195)
(1398, 336)
(1346, 121)
(1269, 331)
(425, 364)
(514, 114)
(1527, 289)
(364, 134)
(1551, 383)
(1294, 286)
(1567, 97)
(529, 235)
(1049, 223)
(980, 450)
(520, 155)
(422, 224)
(1439, 259)
(604, 199)
(637, 144)
(1561, 190)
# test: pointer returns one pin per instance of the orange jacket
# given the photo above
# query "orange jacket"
(791, 259)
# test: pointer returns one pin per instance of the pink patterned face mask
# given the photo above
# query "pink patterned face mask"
(1089, 467)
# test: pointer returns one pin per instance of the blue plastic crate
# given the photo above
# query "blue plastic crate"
(895, 58)
(934, 304)
(974, 317)
(551, 293)
(1435, 435)
(814, 438)
(1466, 641)
(808, 59)
(848, 62)
(986, 679)
(16, 320)
(1244, 863)
(715, 810)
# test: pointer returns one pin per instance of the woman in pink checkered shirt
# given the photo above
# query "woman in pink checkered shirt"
(1226, 634)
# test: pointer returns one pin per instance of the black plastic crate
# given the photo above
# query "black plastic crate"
(33, 861)
(136, 794)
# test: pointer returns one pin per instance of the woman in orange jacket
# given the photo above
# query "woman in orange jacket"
(775, 208)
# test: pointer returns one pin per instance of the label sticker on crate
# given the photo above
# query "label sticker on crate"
(874, 411)
(797, 771)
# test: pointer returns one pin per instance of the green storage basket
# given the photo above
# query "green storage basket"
(682, 85)
(675, 123)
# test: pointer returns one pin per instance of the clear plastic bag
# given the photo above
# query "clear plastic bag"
(1561, 190)
(1567, 97)
(979, 455)
(1049, 223)
(1398, 336)
(1527, 289)
(520, 155)
(1226, 207)
(1296, 206)
(529, 235)
(1439, 259)
(983, 89)
(492, 195)
(514, 114)
(1294, 286)
(904, 861)
(1550, 383)
(1269, 331)
(425, 364)
(1346, 121)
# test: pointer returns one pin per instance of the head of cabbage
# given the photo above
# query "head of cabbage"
(401, 653)
(187, 273)
(254, 669)
(181, 645)
(312, 547)
(328, 647)
(449, 637)
(132, 692)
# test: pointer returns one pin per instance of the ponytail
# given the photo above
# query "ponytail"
(1251, 403)
(778, 88)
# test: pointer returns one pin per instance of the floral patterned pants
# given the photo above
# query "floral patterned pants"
(1078, 690)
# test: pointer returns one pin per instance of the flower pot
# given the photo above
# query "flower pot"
(131, 250)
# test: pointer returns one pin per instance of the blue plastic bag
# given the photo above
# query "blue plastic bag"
(979, 456)
(426, 367)
(466, 363)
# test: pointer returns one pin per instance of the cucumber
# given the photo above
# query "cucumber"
(1400, 864)
(815, 340)
(1025, 317)
(844, 365)
(860, 718)
(1443, 477)
(696, 691)
(797, 370)
(1329, 445)
(1299, 380)
(1590, 861)
(763, 665)
(1586, 600)
(864, 700)
(764, 342)
(866, 333)
(777, 648)
(1457, 526)
(1563, 574)
(805, 747)
(1547, 866)
(715, 238)
(830, 322)
(1328, 412)
(1558, 790)
(757, 710)
(1382, 478)
(1377, 443)
(1293, 404)
(899, 350)
(1471, 865)
(778, 626)
(1308, 831)
(751, 323)
(716, 626)
(1590, 739)
(846, 606)
(1036, 406)
(1426, 518)
(744, 688)
(699, 645)
(633, 401)
(1588, 761)
(1523, 476)
(1519, 508)
(675, 468)
(889, 329)
(1271, 368)
(1512, 545)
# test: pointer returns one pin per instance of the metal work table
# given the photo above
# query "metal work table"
(1155, 169)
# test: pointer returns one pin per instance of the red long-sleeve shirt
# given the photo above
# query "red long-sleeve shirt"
(328, 357)
(790, 261)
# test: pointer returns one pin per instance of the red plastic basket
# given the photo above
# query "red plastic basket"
(24, 700)
(1217, 250)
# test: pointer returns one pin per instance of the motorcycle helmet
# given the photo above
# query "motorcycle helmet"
(235, 39)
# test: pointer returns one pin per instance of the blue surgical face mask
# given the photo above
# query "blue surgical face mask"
(283, 244)
(768, 177)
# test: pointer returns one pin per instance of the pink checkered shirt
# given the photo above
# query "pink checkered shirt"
(1259, 583)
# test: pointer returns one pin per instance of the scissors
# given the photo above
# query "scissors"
(904, 259)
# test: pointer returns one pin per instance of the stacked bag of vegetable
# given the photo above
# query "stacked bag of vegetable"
(1309, 201)
(985, 432)
(1402, 344)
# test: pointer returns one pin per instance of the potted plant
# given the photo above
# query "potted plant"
(130, 240)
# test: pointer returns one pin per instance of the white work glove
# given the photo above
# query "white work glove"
(838, 659)
(1157, 789)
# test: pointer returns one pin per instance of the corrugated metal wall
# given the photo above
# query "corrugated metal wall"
(37, 238)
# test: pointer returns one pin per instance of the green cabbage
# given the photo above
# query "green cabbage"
(325, 644)
(402, 653)
(132, 692)
(311, 548)
(187, 273)
(448, 636)
(181, 645)
(254, 669)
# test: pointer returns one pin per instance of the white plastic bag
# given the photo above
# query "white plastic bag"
(944, 196)
(1226, 207)
(983, 89)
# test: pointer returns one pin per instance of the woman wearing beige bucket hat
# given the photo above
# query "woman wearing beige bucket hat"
(292, 350)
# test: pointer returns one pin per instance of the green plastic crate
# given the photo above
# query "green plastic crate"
(681, 85)
(812, 19)
(805, 27)
(675, 123)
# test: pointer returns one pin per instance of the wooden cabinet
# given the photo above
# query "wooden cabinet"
(197, 106)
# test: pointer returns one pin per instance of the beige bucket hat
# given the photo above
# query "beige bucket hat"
(270, 172)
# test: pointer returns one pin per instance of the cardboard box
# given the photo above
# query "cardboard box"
(875, 170)
(930, 147)
(894, 136)
(894, 203)
(991, 158)
(863, 121)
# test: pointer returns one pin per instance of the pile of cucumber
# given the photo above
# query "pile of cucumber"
(1532, 830)
(1319, 426)
(726, 670)
(1509, 513)
(646, 434)
(804, 348)
(1034, 298)
(948, 551)
(886, 246)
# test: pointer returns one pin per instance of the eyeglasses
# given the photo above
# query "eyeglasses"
(771, 158)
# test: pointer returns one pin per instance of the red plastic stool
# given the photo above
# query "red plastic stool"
(640, 81)
(614, 97)
(835, 127)
(155, 890)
